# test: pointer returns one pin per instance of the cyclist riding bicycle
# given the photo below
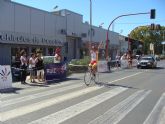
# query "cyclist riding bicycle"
(94, 59)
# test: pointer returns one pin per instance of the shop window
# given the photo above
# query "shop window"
(15, 55)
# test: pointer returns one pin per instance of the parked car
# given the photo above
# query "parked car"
(147, 62)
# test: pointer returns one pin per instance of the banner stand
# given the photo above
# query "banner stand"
(5, 78)
(55, 71)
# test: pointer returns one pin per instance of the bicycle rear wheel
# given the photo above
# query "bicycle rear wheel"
(87, 78)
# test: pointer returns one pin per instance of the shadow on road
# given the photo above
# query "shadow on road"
(11, 90)
(106, 84)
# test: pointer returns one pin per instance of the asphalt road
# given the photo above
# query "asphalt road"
(125, 96)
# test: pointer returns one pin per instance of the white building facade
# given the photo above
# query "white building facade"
(24, 27)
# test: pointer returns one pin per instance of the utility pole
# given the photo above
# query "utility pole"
(91, 32)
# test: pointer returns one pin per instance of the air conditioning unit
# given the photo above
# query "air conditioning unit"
(83, 35)
(74, 34)
(63, 31)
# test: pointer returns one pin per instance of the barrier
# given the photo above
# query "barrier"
(124, 63)
(5, 77)
(102, 66)
(55, 71)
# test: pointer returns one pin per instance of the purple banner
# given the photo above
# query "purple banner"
(55, 71)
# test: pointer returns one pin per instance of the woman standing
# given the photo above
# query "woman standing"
(40, 68)
(32, 65)
(57, 57)
(23, 66)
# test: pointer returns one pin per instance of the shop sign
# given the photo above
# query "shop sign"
(17, 38)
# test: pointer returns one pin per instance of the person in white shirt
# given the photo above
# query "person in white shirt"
(32, 64)
(94, 59)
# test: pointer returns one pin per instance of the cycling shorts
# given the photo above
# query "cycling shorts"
(93, 64)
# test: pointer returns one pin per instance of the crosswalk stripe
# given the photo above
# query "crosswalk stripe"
(74, 110)
(63, 84)
(7, 115)
(157, 116)
(118, 112)
(39, 89)
(38, 95)
(45, 103)
(126, 77)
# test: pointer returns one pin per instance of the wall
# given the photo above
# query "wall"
(23, 19)
(5, 55)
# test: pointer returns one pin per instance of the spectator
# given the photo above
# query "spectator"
(117, 61)
(109, 63)
(129, 57)
(40, 67)
(32, 64)
(23, 66)
(57, 57)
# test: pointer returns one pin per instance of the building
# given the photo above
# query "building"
(24, 27)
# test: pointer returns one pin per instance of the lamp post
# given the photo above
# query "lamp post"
(55, 7)
(120, 41)
(90, 22)
(163, 43)
(66, 14)
(100, 26)
(66, 23)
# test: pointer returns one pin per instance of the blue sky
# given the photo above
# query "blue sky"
(104, 11)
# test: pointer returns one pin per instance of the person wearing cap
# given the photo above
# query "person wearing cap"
(57, 57)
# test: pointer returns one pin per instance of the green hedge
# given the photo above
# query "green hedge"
(84, 61)
(79, 66)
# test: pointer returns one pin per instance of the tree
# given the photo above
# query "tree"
(147, 36)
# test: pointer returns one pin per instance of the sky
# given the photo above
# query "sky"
(104, 11)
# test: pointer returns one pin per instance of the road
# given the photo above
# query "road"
(129, 96)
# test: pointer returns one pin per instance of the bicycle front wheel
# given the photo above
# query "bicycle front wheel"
(87, 78)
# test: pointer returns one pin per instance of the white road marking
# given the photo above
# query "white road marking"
(46, 103)
(118, 112)
(74, 110)
(38, 95)
(125, 77)
(157, 116)
(28, 90)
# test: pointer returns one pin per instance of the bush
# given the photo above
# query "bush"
(84, 61)
(80, 65)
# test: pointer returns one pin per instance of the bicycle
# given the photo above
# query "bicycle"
(90, 77)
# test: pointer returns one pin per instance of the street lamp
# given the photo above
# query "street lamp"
(55, 7)
(66, 14)
(90, 21)
(100, 26)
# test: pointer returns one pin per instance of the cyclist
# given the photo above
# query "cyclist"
(94, 59)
